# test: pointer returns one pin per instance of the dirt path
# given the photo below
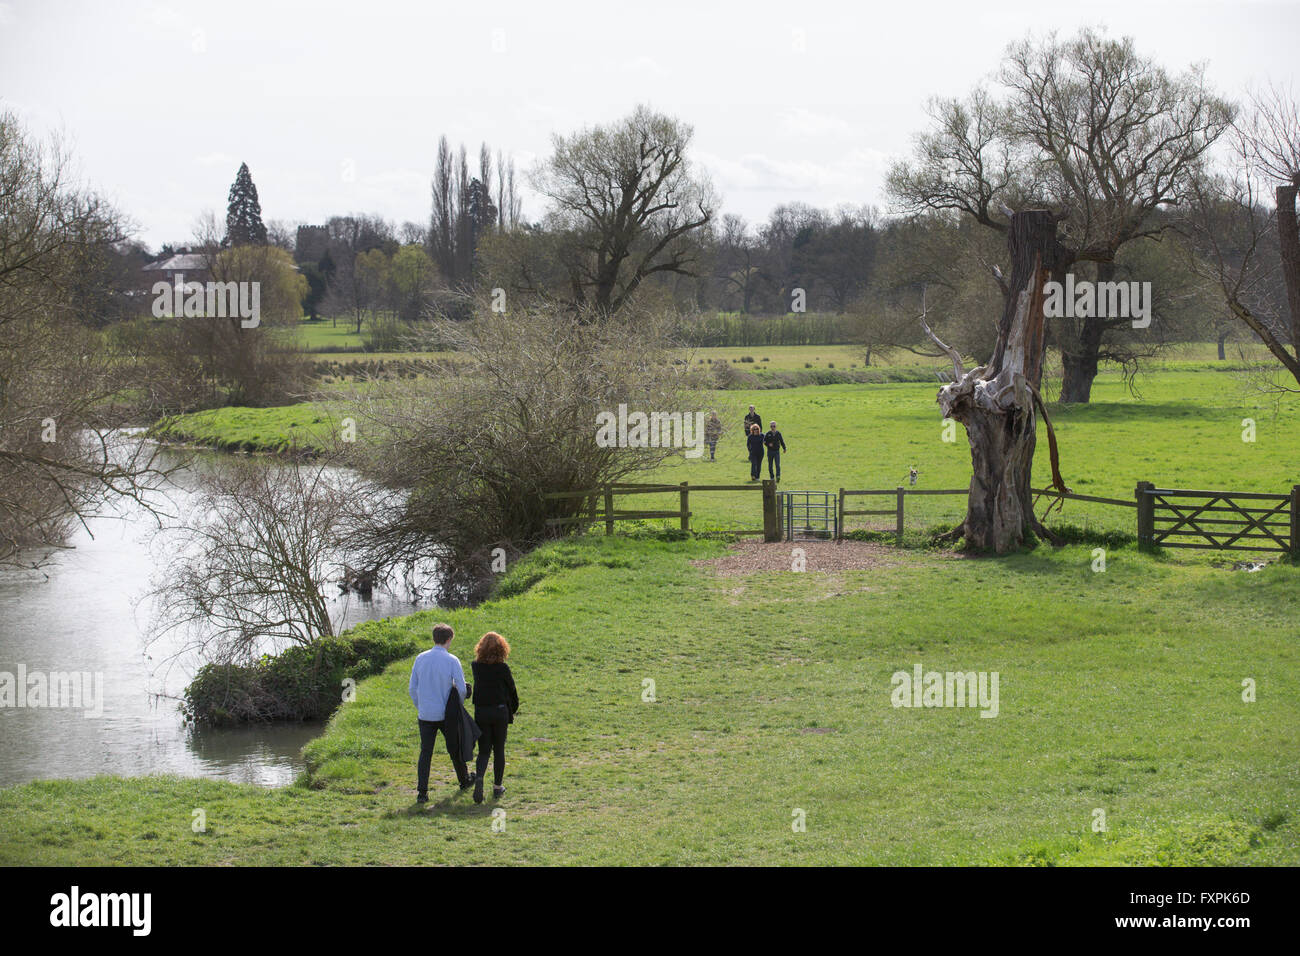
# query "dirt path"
(746, 557)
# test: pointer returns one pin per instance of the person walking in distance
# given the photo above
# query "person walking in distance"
(755, 443)
(712, 432)
(775, 444)
(753, 418)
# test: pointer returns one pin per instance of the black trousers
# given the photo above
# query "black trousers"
(755, 466)
(774, 463)
(494, 737)
(428, 737)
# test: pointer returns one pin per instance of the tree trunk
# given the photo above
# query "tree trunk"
(1288, 234)
(1078, 369)
(1079, 358)
(997, 402)
(1223, 337)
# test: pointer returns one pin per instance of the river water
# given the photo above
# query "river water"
(83, 613)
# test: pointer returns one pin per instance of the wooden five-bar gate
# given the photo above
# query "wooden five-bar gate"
(1218, 520)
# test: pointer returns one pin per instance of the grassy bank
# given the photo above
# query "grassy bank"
(771, 695)
(1183, 429)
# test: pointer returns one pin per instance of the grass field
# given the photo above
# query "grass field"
(1183, 429)
(1120, 692)
(324, 335)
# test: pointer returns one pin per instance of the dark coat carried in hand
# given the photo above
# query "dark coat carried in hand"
(459, 728)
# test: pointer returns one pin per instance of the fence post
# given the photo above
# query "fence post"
(771, 520)
(609, 510)
(1295, 522)
(686, 507)
(901, 492)
(1146, 508)
(839, 517)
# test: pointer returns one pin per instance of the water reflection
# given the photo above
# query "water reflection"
(80, 614)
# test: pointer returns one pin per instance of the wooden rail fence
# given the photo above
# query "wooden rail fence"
(1166, 517)
(771, 530)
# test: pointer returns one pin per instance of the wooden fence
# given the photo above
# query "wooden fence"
(900, 495)
(609, 515)
(1166, 517)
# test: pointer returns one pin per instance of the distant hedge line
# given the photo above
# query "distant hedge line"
(722, 330)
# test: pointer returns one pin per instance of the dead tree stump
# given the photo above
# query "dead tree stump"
(999, 402)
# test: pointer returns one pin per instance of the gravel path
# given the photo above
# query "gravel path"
(746, 557)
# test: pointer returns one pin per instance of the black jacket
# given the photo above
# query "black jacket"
(753, 418)
(755, 443)
(772, 439)
(459, 728)
(494, 691)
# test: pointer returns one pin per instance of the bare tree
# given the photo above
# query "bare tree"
(245, 569)
(461, 459)
(1241, 244)
(1089, 127)
(629, 202)
(62, 458)
(736, 264)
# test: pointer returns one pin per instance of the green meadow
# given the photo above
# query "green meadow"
(1177, 427)
(1120, 701)
(676, 712)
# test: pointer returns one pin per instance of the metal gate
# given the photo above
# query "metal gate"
(810, 514)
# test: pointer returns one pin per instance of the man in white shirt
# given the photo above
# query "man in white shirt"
(433, 675)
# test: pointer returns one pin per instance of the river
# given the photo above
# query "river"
(83, 613)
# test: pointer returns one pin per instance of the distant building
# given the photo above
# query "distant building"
(193, 265)
(311, 243)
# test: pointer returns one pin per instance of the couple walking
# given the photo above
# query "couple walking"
(438, 690)
(757, 441)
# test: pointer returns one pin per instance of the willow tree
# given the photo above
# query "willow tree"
(1088, 124)
(999, 403)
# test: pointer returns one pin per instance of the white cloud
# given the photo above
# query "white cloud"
(216, 159)
(801, 122)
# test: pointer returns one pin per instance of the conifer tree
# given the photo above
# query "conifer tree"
(244, 213)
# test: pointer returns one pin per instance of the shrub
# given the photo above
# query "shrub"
(303, 682)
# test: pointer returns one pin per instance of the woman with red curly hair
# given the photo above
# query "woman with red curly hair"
(495, 703)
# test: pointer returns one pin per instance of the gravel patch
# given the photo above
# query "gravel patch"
(746, 557)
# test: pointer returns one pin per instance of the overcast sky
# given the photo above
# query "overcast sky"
(337, 107)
